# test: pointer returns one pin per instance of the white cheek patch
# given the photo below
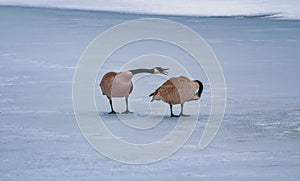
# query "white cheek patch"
(156, 71)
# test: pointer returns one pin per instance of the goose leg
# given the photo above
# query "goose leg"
(127, 111)
(171, 108)
(111, 106)
(181, 112)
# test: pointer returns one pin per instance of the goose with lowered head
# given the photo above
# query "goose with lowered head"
(178, 90)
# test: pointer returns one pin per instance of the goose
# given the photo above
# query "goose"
(178, 90)
(119, 84)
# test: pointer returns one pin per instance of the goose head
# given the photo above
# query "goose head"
(159, 70)
(200, 89)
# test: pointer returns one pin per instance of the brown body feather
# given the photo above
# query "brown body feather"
(176, 90)
(107, 84)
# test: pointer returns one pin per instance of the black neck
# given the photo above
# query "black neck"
(138, 71)
(200, 88)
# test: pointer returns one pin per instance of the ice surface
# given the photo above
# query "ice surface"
(40, 139)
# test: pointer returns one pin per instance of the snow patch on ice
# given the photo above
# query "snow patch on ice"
(228, 8)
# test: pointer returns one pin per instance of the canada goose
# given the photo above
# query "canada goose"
(178, 90)
(115, 84)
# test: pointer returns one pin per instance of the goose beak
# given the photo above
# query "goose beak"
(196, 96)
(165, 72)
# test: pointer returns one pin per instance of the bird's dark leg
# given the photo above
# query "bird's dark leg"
(127, 110)
(111, 106)
(171, 108)
(181, 112)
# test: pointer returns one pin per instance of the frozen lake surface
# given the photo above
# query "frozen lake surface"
(259, 137)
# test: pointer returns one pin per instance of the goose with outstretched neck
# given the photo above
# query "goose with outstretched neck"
(119, 84)
(178, 90)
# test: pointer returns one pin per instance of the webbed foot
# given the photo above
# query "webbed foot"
(127, 112)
